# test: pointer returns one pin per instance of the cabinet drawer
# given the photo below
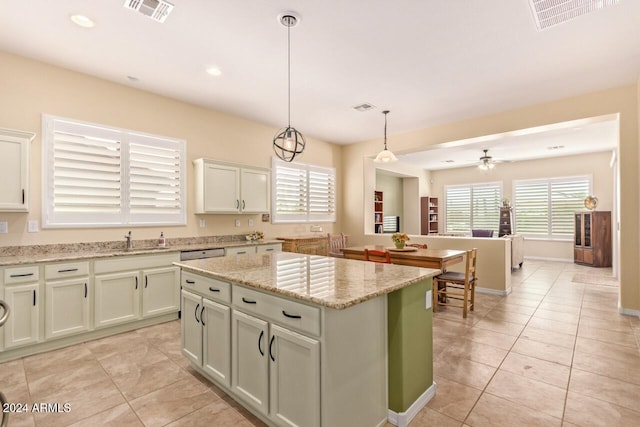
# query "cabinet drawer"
(275, 247)
(70, 269)
(135, 262)
(288, 313)
(29, 273)
(207, 287)
(239, 250)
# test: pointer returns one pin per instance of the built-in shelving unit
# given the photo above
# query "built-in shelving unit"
(506, 219)
(429, 215)
(378, 212)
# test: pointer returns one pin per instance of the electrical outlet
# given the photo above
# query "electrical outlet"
(4, 227)
(237, 223)
(201, 223)
(32, 226)
(250, 222)
(428, 299)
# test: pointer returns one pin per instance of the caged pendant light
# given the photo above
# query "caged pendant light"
(385, 156)
(288, 142)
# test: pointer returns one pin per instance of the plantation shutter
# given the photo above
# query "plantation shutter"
(486, 206)
(532, 207)
(458, 209)
(567, 196)
(322, 194)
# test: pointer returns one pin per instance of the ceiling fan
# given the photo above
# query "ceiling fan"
(486, 161)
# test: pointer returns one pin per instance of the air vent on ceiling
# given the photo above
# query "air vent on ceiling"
(364, 107)
(548, 13)
(158, 10)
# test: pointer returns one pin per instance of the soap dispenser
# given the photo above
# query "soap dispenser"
(162, 242)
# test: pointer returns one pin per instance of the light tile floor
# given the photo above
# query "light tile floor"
(553, 353)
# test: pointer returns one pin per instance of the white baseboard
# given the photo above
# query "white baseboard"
(403, 419)
(628, 311)
(493, 291)
(541, 258)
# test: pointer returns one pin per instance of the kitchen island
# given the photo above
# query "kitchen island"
(311, 340)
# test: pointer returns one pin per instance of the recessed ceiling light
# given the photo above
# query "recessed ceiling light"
(82, 21)
(132, 78)
(214, 71)
(448, 161)
(364, 107)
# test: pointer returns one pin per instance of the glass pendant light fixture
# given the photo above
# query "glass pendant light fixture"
(385, 156)
(486, 163)
(288, 142)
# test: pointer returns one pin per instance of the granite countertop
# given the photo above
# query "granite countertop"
(54, 253)
(331, 282)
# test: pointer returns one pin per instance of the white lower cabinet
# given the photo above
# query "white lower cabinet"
(67, 307)
(206, 328)
(294, 387)
(22, 327)
(117, 298)
(161, 291)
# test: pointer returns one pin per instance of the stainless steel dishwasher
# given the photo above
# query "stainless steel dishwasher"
(197, 254)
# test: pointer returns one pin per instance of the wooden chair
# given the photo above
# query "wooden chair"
(453, 285)
(336, 243)
(418, 245)
(377, 256)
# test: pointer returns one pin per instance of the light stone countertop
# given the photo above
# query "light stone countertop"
(72, 252)
(331, 282)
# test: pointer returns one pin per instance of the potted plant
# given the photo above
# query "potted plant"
(399, 239)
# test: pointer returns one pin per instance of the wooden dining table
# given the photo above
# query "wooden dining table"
(416, 257)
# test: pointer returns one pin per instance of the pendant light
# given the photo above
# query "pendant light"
(288, 142)
(486, 162)
(385, 156)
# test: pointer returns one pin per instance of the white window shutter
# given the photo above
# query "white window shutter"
(458, 209)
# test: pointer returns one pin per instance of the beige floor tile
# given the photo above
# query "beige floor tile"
(514, 308)
(475, 351)
(602, 313)
(84, 375)
(85, 401)
(557, 316)
(119, 416)
(604, 388)
(218, 413)
(607, 350)
(559, 307)
(135, 380)
(586, 411)
(618, 325)
(115, 344)
(527, 302)
(572, 305)
(625, 370)
(531, 393)
(553, 325)
(613, 337)
(65, 359)
(491, 338)
(537, 369)
(548, 337)
(507, 316)
(20, 419)
(503, 327)
(429, 417)
(172, 402)
(544, 351)
(453, 399)
(463, 371)
(493, 411)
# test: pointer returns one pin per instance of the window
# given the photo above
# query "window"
(472, 206)
(545, 207)
(303, 193)
(98, 176)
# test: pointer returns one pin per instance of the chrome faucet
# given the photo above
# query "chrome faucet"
(128, 237)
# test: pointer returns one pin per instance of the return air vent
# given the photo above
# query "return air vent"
(157, 10)
(364, 107)
(548, 13)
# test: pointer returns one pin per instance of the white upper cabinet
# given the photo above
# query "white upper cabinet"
(227, 188)
(14, 170)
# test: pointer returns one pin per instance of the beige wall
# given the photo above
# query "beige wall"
(622, 100)
(30, 88)
(594, 164)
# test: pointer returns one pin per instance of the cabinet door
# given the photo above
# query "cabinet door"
(294, 378)
(255, 191)
(14, 173)
(22, 325)
(67, 307)
(191, 327)
(117, 298)
(249, 360)
(160, 291)
(221, 188)
(216, 341)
